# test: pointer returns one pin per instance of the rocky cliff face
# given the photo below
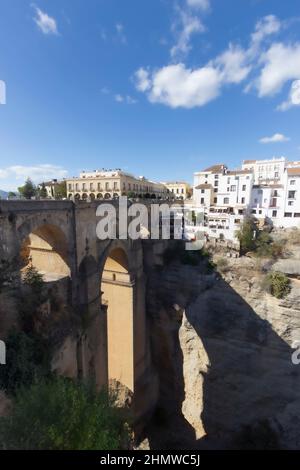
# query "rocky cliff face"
(222, 348)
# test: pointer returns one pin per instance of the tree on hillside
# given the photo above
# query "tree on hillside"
(11, 195)
(28, 190)
(60, 190)
(247, 235)
(43, 191)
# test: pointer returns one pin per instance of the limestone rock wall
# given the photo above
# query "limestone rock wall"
(222, 348)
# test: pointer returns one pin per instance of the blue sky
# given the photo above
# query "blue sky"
(160, 88)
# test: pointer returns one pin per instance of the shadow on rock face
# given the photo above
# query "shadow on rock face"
(226, 377)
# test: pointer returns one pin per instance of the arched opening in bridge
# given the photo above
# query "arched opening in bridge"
(118, 299)
(46, 249)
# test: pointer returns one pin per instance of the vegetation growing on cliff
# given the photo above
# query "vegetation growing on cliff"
(27, 360)
(64, 415)
(278, 284)
(260, 242)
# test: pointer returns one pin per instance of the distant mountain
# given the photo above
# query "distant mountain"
(3, 194)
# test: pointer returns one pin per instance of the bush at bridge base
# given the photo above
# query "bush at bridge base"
(61, 414)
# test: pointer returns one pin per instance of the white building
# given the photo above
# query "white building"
(266, 171)
(267, 189)
(225, 196)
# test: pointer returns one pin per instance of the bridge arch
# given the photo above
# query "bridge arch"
(44, 245)
(117, 299)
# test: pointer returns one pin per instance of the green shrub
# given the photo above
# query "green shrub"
(278, 284)
(63, 415)
(31, 298)
(266, 248)
(27, 358)
(247, 235)
(33, 279)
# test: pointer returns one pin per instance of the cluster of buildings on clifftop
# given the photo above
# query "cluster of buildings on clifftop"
(269, 190)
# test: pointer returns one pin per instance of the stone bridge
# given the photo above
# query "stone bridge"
(106, 285)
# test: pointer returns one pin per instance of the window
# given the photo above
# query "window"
(260, 211)
(202, 200)
(287, 214)
(70, 187)
(202, 191)
(215, 200)
(290, 203)
(243, 200)
(292, 182)
(115, 185)
(244, 187)
(255, 201)
(216, 183)
(106, 186)
(216, 177)
(274, 213)
(297, 214)
(182, 191)
(83, 186)
(215, 190)
(292, 194)
(253, 211)
(206, 176)
(91, 186)
(177, 191)
(276, 174)
(228, 180)
(124, 185)
(226, 200)
(76, 187)
(232, 188)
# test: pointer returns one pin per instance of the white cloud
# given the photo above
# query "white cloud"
(46, 23)
(265, 27)
(202, 4)
(177, 86)
(13, 176)
(125, 99)
(3, 173)
(105, 90)
(119, 98)
(267, 67)
(281, 64)
(143, 81)
(120, 33)
(185, 26)
(293, 99)
(274, 139)
(233, 64)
